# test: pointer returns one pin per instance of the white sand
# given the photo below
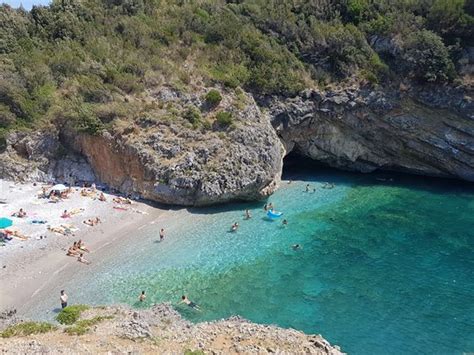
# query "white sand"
(35, 267)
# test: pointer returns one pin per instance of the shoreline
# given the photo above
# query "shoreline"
(34, 269)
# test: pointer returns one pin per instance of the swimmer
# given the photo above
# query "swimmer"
(265, 207)
(234, 227)
(191, 304)
(296, 246)
(247, 214)
(284, 222)
(270, 206)
(142, 296)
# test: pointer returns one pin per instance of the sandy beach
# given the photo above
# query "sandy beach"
(35, 267)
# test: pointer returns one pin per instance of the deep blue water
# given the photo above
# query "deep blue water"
(385, 267)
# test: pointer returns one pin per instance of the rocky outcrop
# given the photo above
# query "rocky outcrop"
(421, 131)
(161, 329)
(427, 131)
(169, 162)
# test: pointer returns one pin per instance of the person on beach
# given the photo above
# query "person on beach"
(66, 214)
(63, 298)
(162, 234)
(81, 246)
(20, 214)
(102, 197)
(142, 296)
(234, 227)
(73, 250)
(81, 259)
(185, 299)
(247, 214)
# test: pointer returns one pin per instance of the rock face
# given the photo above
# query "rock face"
(423, 132)
(427, 131)
(161, 330)
(167, 162)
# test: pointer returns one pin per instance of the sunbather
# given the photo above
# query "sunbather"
(19, 214)
(81, 246)
(81, 259)
(102, 197)
(66, 214)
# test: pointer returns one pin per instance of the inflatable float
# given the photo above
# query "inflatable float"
(274, 214)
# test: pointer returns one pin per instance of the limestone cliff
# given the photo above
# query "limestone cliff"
(424, 132)
(428, 131)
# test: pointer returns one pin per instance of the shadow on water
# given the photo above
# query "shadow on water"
(305, 169)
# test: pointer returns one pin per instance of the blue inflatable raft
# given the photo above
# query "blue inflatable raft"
(272, 214)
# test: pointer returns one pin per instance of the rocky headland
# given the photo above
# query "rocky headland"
(414, 130)
(119, 329)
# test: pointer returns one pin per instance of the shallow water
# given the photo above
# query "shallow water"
(386, 267)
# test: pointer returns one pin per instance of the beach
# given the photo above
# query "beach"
(34, 268)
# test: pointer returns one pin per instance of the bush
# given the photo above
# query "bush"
(71, 314)
(27, 328)
(83, 326)
(193, 115)
(427, 58)
(213, 97)
(224, 118)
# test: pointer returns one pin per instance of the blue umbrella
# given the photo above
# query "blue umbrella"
(5, 223)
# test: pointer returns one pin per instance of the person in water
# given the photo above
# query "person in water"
(307, 187)
(63, 298)
(284, 222)
(270, 206)
(296, 246)
(191, 304)
(162, 234)
(234, 227)
(247, 214)
(142, 296)
(265, 207)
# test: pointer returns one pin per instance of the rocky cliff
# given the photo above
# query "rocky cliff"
(161, 329)
(419, 131)
(425, 131)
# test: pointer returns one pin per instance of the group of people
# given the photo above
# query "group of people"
(77, 250)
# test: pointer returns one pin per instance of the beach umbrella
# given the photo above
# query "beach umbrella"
(58, 187)
(5, 223)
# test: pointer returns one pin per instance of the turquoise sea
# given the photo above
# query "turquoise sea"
(385, 266)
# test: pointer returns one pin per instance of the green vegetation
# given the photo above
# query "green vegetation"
(193, 352)
(27, 328)
(224, 118)
(71, 314)
(90, 62)
(83, 326)
(213, 97)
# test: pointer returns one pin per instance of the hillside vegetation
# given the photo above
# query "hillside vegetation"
(93, 61)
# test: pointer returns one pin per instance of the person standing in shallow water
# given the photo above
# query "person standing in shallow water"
(142, 296)
(63, 299)
(162, 234)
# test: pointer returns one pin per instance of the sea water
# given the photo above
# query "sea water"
(386, 263)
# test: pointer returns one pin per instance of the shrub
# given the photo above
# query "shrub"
(213, 97)
(224, 118)
(71, 314)
(427, 58)
(27, 328)
(193, 115)
(83, 326)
